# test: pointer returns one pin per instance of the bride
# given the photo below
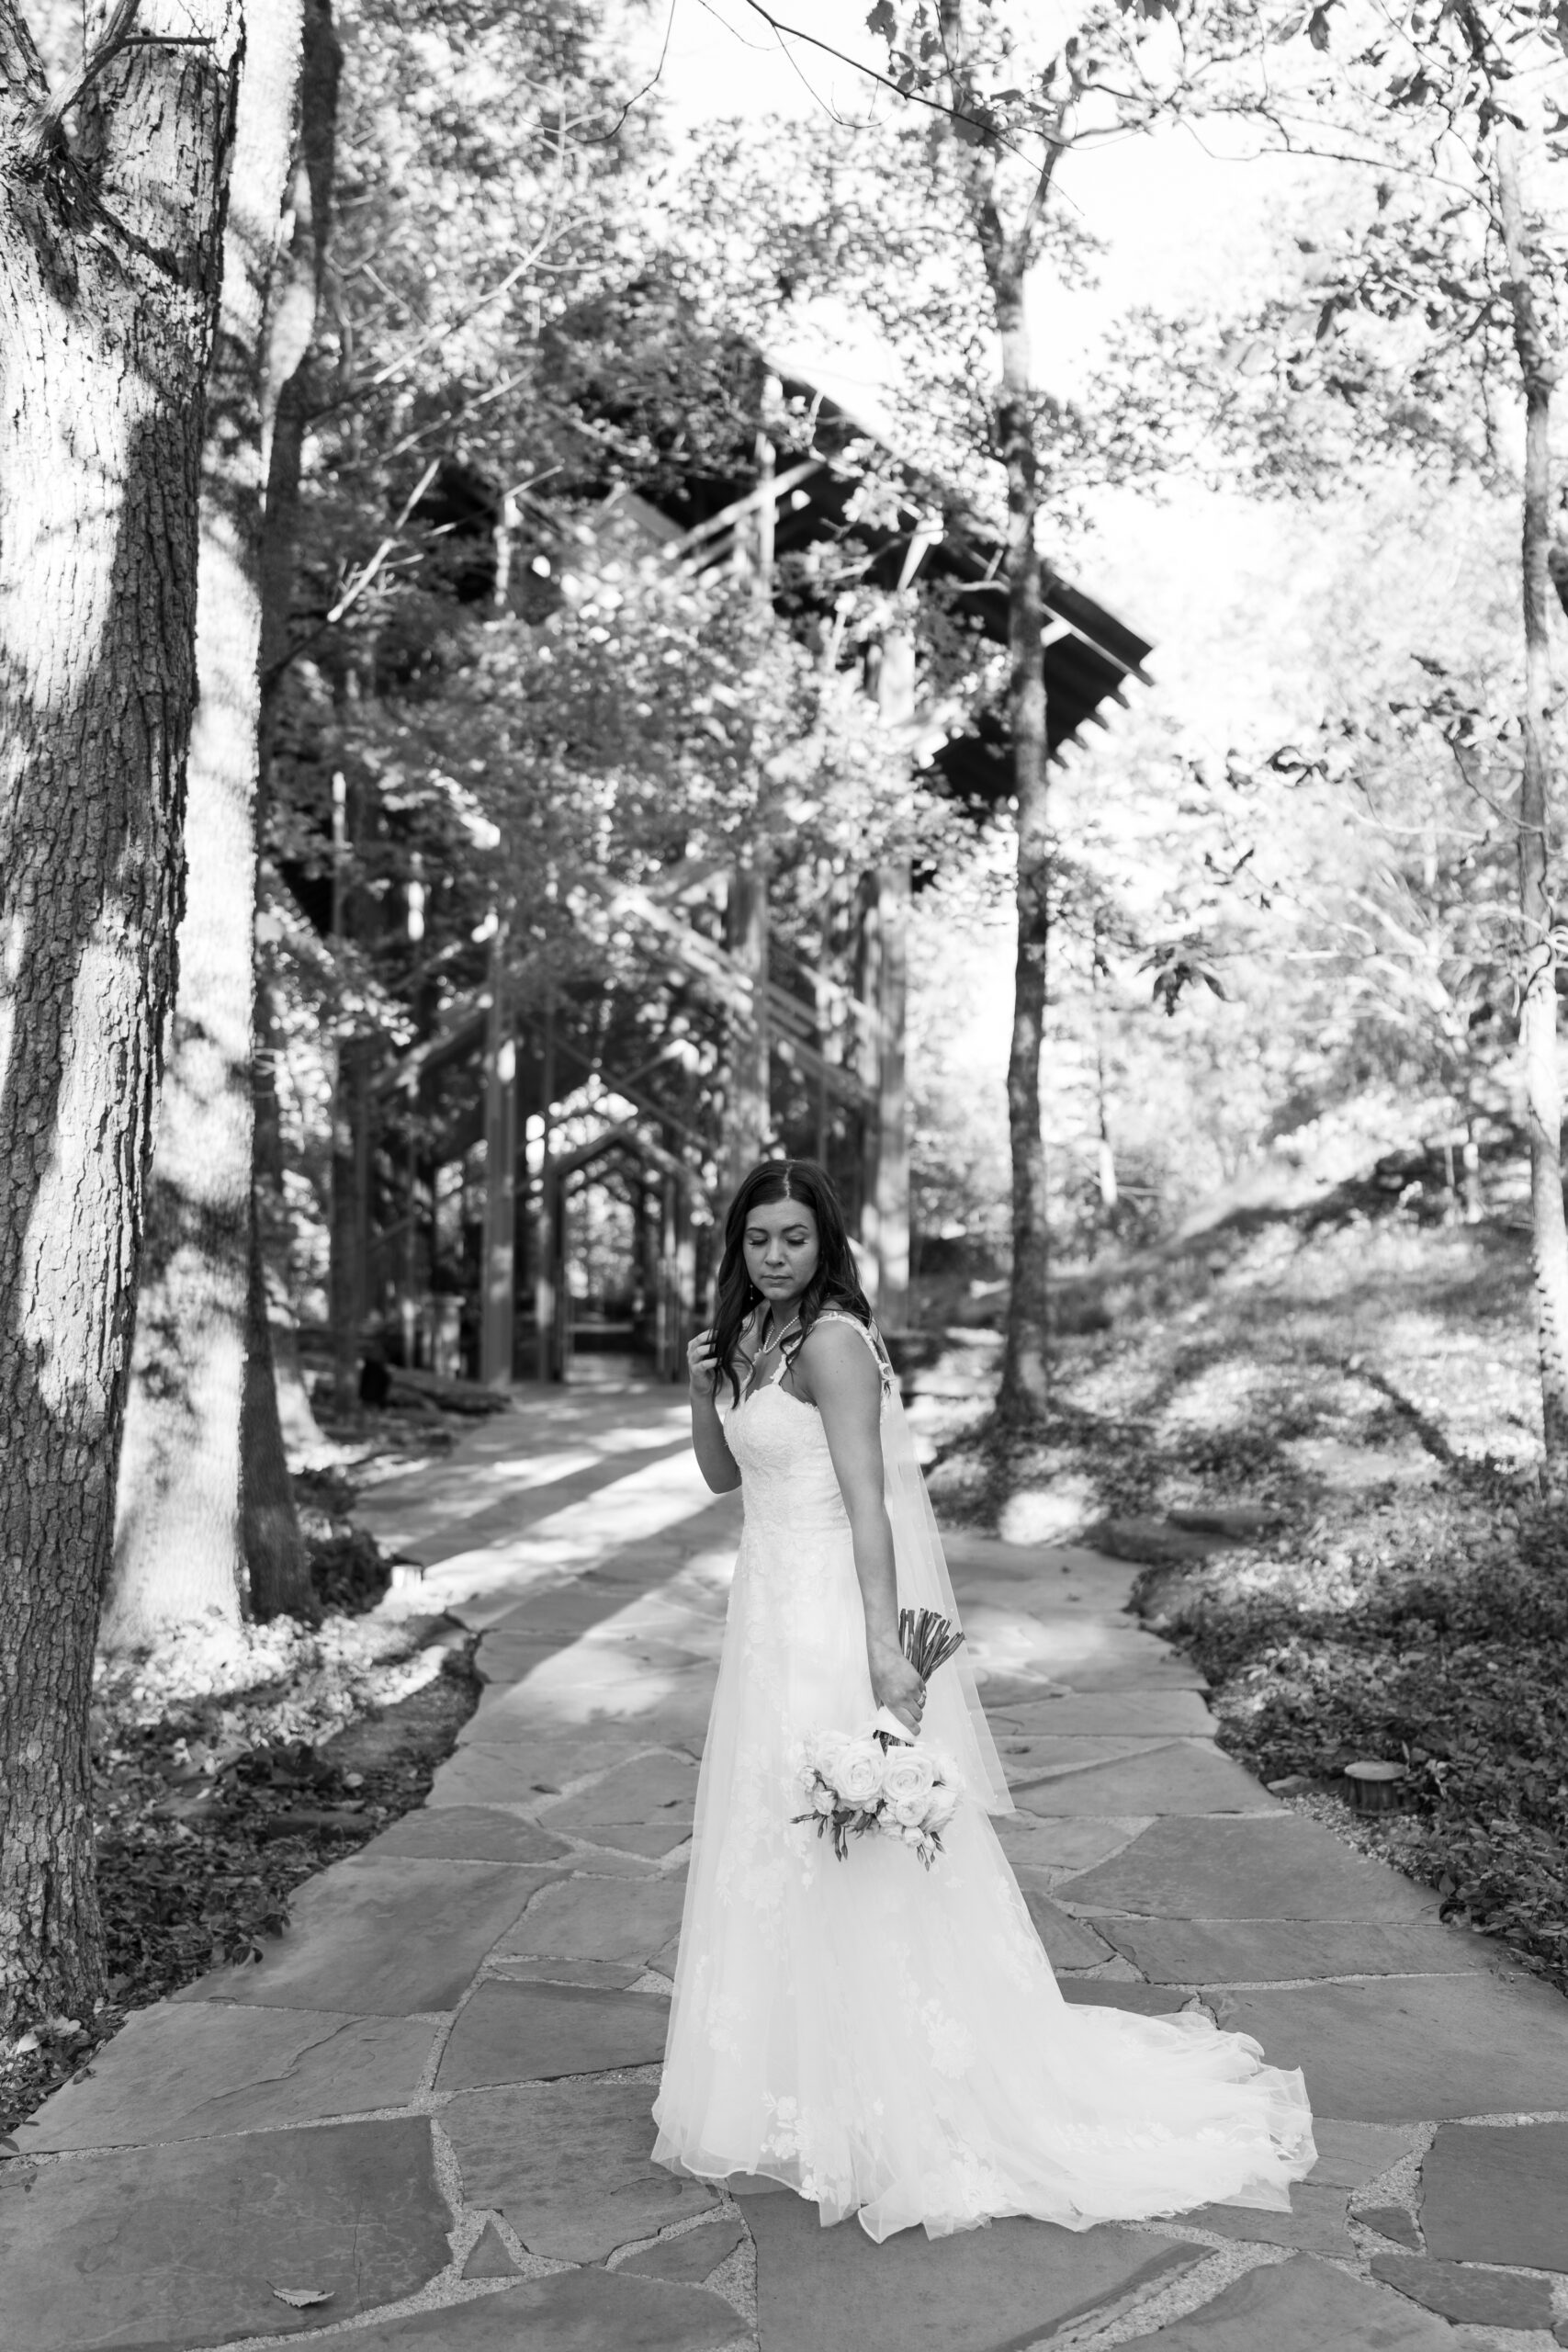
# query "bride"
(887, 2040)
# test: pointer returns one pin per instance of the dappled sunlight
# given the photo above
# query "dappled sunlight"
(1016, 1640)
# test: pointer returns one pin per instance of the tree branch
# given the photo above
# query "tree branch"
(49, 130)
(982, 123)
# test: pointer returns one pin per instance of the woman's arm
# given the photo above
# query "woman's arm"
(714, 1460)
(836, 1372)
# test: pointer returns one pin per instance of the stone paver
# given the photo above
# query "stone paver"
(1414, 2046)
(641, 1808)
(694, 2255)
(1135, 1714)
(1349, 2154)
(576, 2311)
(1391, 2222)
(182, 2246)
(1317, 2222)
(491, 2257)
(604, 1918)
(1304, 2305)
(1491, 2195)
(1068, 1942)
(1187, 1777)
(288, 2125)
(1485, 2298)
(468, 1833)
(1260, 1952)
(567, 2164)
(386, 1937)
(513, 2033)
(980, 2291)
(1287, 1868)
(188, 2070)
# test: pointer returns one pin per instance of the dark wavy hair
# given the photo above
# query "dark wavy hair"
(835, 1283)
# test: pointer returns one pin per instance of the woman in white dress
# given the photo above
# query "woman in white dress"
(890, 2041)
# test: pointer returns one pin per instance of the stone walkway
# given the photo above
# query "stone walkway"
(423, 2119)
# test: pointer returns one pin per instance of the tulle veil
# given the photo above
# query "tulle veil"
(955, 1718)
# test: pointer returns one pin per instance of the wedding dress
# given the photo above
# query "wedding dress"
(888, 2041)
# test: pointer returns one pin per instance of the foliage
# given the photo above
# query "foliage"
(1446, 1650)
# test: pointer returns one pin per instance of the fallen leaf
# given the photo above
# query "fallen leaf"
(303, 2298)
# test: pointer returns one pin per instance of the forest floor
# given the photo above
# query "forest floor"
(1355, 1402)
(228, 1768)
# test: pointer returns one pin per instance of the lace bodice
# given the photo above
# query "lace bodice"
(788, 1481)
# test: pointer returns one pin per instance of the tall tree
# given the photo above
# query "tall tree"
(180, 1551)
(1434, 314)
(1008, 249)
(275, 1391)
(110, 256)
(1007, 96)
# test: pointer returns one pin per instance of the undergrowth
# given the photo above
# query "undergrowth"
(1372, 1386)
(1442, 1645)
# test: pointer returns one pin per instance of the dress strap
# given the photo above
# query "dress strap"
(872, 1338)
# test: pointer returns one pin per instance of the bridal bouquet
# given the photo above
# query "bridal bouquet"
(882, 1780)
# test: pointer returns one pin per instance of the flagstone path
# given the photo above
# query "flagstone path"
(423, 2119)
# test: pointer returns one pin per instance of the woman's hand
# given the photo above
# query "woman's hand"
(895, 1685)
(703, 1367)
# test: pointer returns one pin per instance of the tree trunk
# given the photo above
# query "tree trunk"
(179, 1548)
(1025, 1379)
(349, 1220)
(1007, 255)
(299, 1429)
(286, 412)
(109, 271)
(274, 1548)
(1538, 1008)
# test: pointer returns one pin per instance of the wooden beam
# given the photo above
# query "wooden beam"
(767, 492)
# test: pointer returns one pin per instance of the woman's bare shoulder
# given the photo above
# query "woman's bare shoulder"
(839, 1353)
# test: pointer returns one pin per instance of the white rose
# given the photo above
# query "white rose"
(908, 1772)
(856, 1771)
(908, 1812)
(823, 1752)
(910, 1833)
(941, 1807)
(823, 1799)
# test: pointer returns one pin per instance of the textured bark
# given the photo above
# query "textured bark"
(291, 330)
(350, 1219)
(108, 286)
(275, 1547)
(179, 1548)
(1538, 1007)
(1025, 1364)
(286, 409)
(298, 1426)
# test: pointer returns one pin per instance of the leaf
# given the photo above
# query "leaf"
(1317, 28)
(303, 2298)
(882, 21)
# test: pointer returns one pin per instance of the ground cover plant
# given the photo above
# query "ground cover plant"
(226, 1774)
(1364, 1378)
